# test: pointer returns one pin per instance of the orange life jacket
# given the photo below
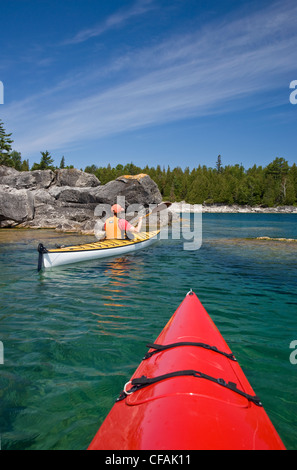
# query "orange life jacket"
(112, 228)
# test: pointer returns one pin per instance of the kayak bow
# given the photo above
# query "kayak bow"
(90, 251)
(188, 393)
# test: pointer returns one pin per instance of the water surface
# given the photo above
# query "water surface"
(74, 335)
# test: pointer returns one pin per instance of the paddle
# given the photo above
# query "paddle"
(160, 207)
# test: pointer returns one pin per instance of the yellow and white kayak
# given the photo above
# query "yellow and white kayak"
(101, 249)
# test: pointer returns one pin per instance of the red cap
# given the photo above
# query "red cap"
(117, 208)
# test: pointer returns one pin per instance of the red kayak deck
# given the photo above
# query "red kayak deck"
(206, 401)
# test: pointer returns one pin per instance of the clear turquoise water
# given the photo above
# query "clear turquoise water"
(73, 336)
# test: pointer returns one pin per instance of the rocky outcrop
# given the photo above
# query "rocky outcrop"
(29, 179)
(138, 189)
(46, 178)
(66, 199)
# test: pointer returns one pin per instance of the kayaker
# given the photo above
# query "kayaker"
(118, 228)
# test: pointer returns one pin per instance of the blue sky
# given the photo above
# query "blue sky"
(169, 82)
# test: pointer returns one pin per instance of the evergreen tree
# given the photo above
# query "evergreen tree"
(293, 176)
(46, 162)
(219, 164)
(278, 170)
(62, 163)
(5, 147)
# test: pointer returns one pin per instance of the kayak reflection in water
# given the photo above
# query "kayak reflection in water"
(117, 228)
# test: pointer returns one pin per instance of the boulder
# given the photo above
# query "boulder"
(138, 189)
(29, 179)
(76, 178)
(45, 178)
(16, 206)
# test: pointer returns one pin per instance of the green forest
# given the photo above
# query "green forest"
(273, 185)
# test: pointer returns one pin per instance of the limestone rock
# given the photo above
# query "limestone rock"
(66, 199)
(28, 179)
(16, 206)
(76, 178)
(7, 171)
(138, 189)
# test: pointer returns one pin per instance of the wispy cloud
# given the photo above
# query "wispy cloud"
(115, 20)
(215, 70)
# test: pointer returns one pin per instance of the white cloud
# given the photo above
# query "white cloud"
(115, 20)
(201, 73)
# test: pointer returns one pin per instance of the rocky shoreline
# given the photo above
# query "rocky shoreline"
(231, 209)
(67, 200)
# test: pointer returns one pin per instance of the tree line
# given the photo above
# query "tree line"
(274, 184)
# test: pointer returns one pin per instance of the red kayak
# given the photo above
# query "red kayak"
(188, 393)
